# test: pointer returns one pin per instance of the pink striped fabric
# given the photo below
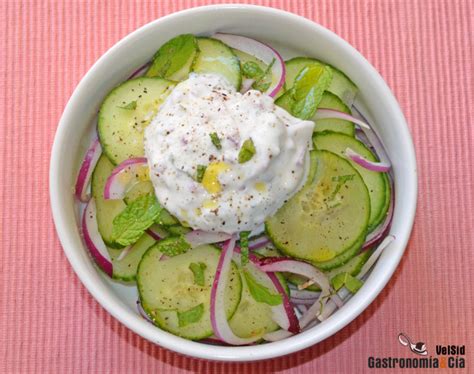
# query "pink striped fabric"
(48, 321)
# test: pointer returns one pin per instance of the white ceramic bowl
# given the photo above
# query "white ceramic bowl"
(291, 35)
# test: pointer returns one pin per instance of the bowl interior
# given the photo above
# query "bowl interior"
(292, 36)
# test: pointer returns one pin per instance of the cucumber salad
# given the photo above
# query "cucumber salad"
(244, 196)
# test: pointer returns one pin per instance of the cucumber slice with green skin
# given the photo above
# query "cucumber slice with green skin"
(174, 59)
(328, 101)
(326, 217)
(126, 268)
(331, 101)
(341, 85)
(217, 58)
(353, 267)
(252, 318)
(343, 258)
(126, 112)
(107, 210)
(376, 182)
(140, 189)
(167, 288)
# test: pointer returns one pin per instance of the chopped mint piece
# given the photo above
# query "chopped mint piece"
(261, 86)
(131, 223)
(132, 105)
(308, 90)
(244, 247)
(191, 315)
(198, 272)
(172, 56)
(260, 293)
(215, 140)
(345, 279)
(173, 246)
(252, 70)
(246, 151)
(201, 169)
(265, 79)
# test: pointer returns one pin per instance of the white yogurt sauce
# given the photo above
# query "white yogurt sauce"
(233, 196)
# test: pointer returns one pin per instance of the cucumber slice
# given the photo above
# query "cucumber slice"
(216, 57)
(331, 101)
(327, 216)
(376, 182)
(167, 288)
(352, 267)
(140, 189)
(126, 112)
(106, 209)
(343, 258)
(253, 318)
(126, 268)
(341, 85)
(174, 59)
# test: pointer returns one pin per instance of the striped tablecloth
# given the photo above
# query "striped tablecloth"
(48, 321)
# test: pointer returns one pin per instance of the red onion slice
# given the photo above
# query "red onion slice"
(246, 85)
(124, 177)
(367, 164)
(259, 242)
(85, 172)
(140, 71)
(296, 267)
(323, 113)
(124, 253)
(142, 312)
(304, 294)
(373, 258)
(94, 241)
(156, 232)
(295, 301)
(199, 237)
(261, 51)
(219, 321)
(282, 314)
(373, 140)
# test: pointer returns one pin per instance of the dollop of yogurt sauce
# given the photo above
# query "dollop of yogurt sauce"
(232, 196)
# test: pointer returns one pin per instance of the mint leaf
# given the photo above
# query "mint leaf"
(215, 140)
(260, 293)
(172, 56)
(345, 279)
(246, 151)
(132, 105)
(191, 315)
(201, 169)
(265, 79)
(308, 90)
(198, 272)
(131, 223)
(173, 246)
(252, 70)
(244, 247)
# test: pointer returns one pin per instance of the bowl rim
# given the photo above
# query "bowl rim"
(195, 349)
